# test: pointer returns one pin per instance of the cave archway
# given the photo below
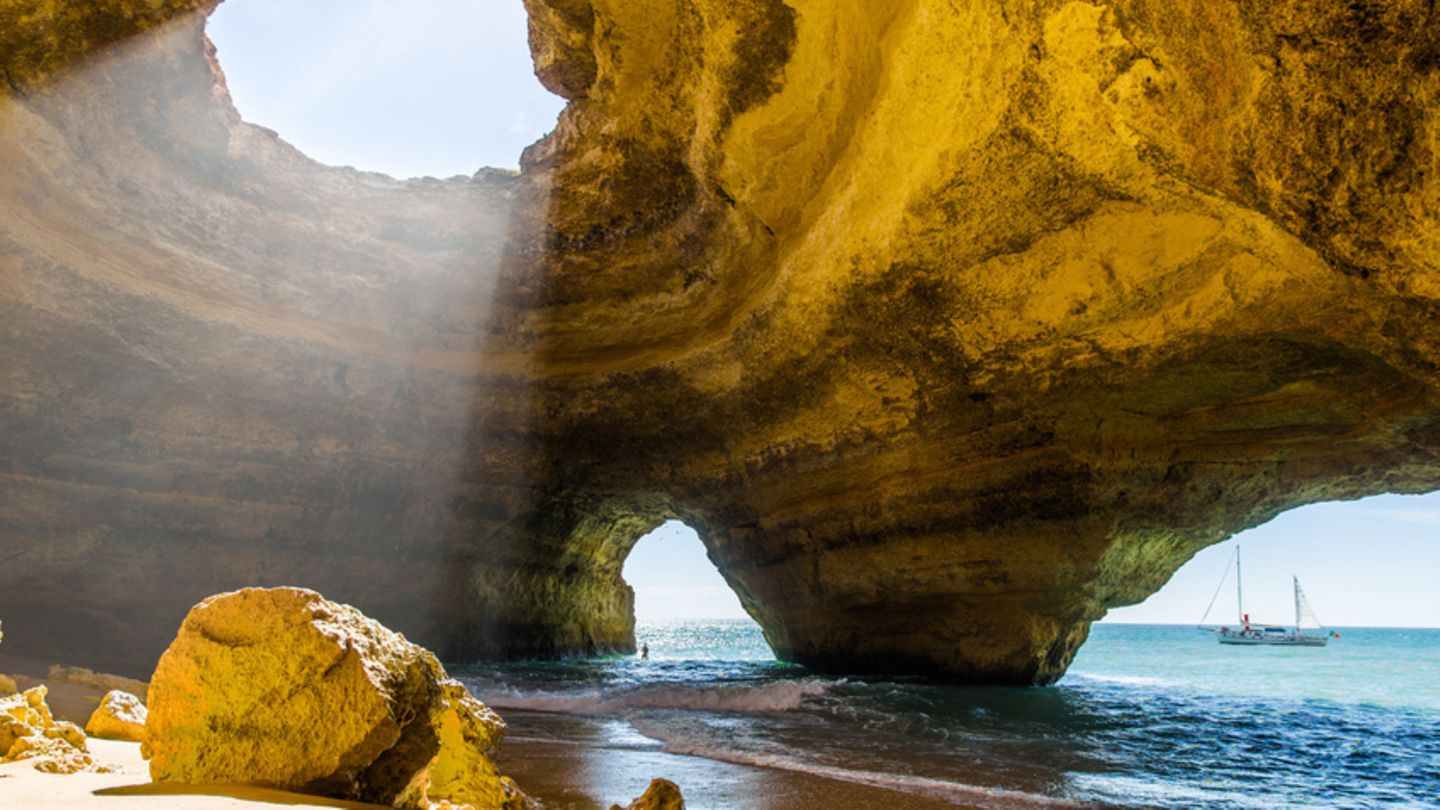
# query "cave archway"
(1363, 563)
(684, 608)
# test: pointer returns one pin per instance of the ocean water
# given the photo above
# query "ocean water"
(1148, 716)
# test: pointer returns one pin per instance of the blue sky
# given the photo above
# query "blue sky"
(1372, 562)
(444, 87)
(440, 87)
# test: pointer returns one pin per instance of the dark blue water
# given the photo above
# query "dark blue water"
(1150, 716)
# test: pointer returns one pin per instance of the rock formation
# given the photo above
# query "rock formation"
(661, 795)
(281, 688)
(120, 716)
(28, 731)
(949, 325)
(81, 676)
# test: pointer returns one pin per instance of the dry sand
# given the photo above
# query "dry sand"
(21, 786)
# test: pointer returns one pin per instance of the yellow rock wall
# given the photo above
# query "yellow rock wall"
(949, 325)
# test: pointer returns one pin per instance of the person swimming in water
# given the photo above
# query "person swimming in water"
(644, 652)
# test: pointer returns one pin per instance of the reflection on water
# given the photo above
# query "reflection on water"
(1125, 728)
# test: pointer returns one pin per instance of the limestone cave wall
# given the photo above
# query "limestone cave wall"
(949, 325)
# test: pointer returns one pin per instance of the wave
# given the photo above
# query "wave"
(1123, 680)
(971, 795)
(780, 696)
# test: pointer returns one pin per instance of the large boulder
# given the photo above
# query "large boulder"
(120, 716)
(285, 689)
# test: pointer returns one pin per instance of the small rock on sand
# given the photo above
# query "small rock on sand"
(28, 731)
(661, 795)
(120, 716)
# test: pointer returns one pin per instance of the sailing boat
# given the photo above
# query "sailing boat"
(1251, 634)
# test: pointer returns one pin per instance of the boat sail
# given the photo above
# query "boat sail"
(1252, 634)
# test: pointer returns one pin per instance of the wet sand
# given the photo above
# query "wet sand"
(571, 764)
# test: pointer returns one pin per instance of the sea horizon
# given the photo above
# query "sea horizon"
(1101, 621)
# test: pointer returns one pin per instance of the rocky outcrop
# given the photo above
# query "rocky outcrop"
(661, 795)
(28, 731)
(83, 677)
(949, 325)
(284, 689)
(120, 716)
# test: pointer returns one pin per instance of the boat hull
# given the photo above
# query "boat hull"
(1278, 641)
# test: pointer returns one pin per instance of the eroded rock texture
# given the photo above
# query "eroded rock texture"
(948, 324)
(29, 731)
(282, 688)
(120, 716)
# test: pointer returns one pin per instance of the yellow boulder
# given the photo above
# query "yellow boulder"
(28, 731)
(53, 754)
(283, 688)
(661, 795)
(120, 716)
(29, 708)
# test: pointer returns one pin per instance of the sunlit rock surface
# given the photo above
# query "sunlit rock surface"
(282, 688)
(120, 716)
(949, 325)
(661, 795)
(29, 731)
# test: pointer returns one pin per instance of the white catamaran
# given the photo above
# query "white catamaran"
(1251, 634)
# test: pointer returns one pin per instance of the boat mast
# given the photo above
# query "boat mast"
(1239, 594)
(1296, 580)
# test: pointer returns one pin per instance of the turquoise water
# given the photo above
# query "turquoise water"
(1379, 667)
(1149, 716)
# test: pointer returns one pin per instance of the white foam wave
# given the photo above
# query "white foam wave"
(1123, 680)
(779, 696)
(969, 795)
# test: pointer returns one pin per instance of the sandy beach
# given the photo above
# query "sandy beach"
(565, 762)
(562, 775)
(21, 786)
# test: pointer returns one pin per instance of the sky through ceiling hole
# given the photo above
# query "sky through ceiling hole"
(435, 88)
